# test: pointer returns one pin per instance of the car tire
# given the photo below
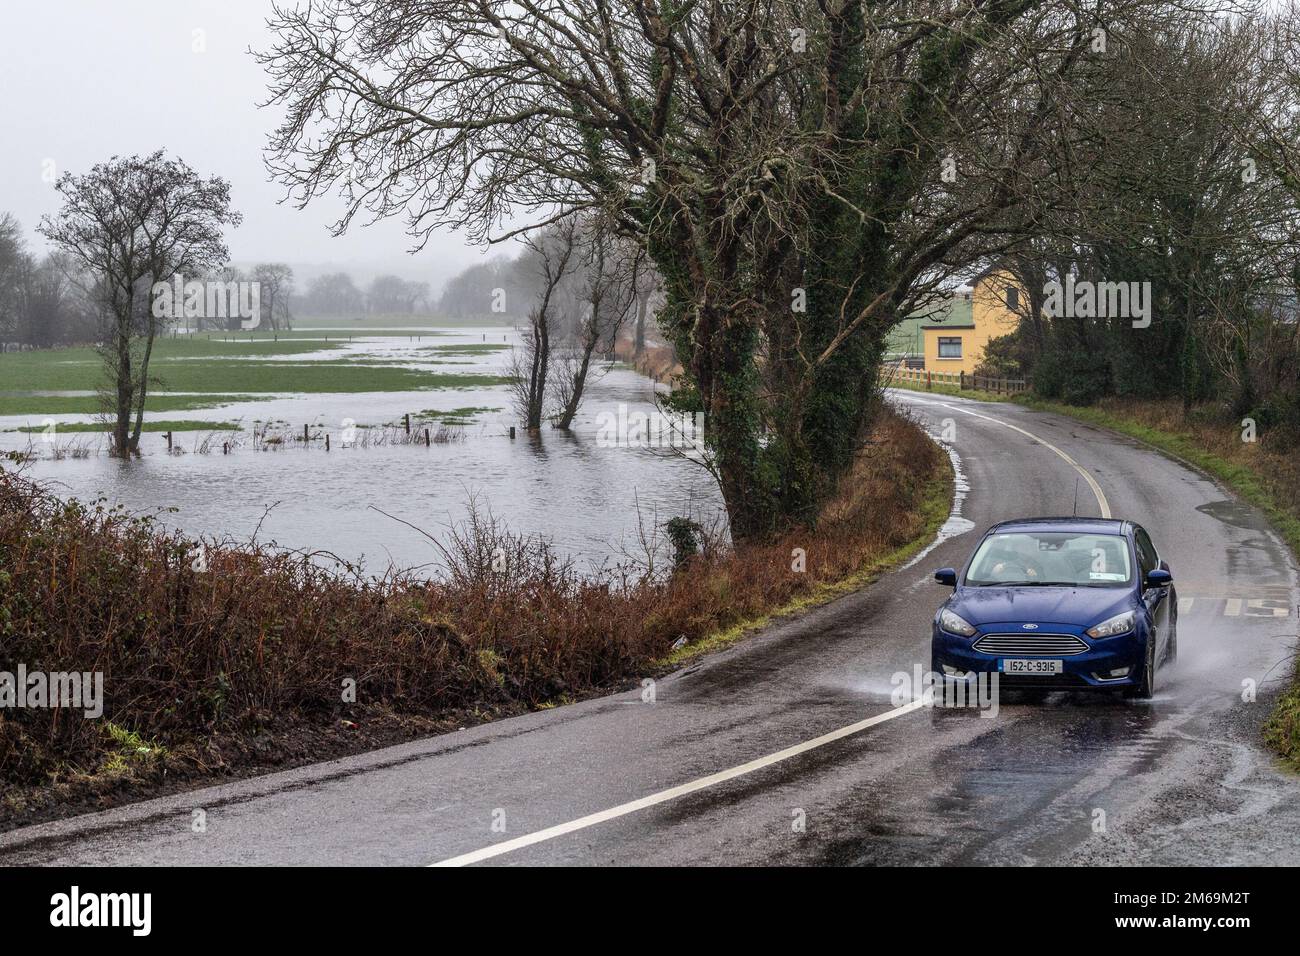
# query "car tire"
(1146, 688)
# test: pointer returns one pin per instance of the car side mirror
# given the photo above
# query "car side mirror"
(946, 576)
(1159, 578)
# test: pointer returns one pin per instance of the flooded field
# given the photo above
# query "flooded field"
(587, 499)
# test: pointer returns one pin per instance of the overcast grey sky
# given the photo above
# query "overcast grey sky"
(82, 80)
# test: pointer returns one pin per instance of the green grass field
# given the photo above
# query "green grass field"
(221, 372)
(154, 426)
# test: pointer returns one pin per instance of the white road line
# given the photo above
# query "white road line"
(1185, 605)
(550, 833)
(1087, 476)
(1263, 607)
(1232, 608)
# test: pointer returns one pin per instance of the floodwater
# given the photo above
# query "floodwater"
(589, 499)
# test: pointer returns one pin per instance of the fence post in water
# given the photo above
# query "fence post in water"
(169, 441)
(406, 421)
(426, 438)
(327, 441)
(305, 436)
(512, 431)
(225, 448)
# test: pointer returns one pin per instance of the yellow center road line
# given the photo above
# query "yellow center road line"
(1092, 482)
(663, 796)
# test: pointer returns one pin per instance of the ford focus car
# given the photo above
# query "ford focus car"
(1082, 603)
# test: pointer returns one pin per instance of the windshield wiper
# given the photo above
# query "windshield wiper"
(1031, 584)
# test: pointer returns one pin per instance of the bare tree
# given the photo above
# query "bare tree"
(552, 254)
(607, 287)
(14, 265)
(134, 222)
(276, 279)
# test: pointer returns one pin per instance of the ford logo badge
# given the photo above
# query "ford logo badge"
(1030, 627)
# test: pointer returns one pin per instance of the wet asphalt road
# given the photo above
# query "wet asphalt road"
(1074, 779)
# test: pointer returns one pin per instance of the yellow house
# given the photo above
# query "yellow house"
(954, 337)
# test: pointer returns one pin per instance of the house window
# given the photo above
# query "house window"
(950, 347)
(1013, 298)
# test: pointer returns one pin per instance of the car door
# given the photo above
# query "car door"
(1156, 599)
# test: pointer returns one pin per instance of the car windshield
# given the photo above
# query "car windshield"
(1047, 558)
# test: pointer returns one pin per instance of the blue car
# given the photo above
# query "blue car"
(1066, 603)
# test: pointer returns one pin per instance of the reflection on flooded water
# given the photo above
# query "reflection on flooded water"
(584, 498)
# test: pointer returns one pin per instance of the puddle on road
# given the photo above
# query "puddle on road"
(1235, 513)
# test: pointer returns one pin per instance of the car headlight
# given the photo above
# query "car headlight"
(1119, 624)
(954, 624)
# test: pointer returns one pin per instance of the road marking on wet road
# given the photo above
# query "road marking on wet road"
(1087, 476)
(1236, 607)
(663, 796)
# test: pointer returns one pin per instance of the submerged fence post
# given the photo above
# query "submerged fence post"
(426, 438)
(306, 437)
(512, 431)
(406, 421)
(169, 441)
(327, 441)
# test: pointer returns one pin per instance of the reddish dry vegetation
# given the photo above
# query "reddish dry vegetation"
(244, 663)
(658, 362)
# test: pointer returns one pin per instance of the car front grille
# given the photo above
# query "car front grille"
(1053, 645)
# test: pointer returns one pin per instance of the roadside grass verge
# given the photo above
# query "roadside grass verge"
(254, 658)
(978, 395)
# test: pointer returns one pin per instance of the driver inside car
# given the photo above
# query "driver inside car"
(1015, 563)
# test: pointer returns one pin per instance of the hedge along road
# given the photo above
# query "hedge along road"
(787, 749)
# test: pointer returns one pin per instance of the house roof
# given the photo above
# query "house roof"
(953, 312)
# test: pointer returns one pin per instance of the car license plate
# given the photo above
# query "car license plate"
(1022, 666)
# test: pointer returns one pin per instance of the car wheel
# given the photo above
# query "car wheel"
(1146, 688)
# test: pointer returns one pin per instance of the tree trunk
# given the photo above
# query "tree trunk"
(570, 410)
(537, 374)
(642, 308)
